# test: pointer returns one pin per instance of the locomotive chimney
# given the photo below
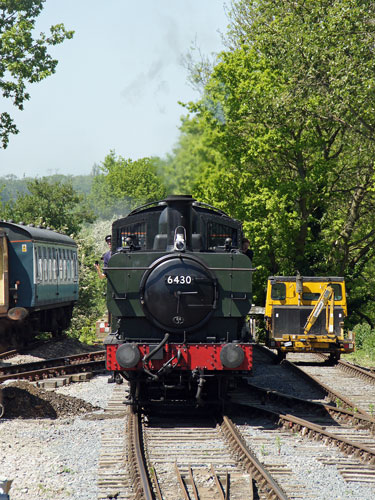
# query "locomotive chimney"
(179, 221)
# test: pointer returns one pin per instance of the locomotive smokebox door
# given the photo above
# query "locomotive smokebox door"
(178, 293)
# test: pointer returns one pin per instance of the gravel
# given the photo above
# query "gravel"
(57, 458)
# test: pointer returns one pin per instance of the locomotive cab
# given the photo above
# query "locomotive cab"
(179, 289)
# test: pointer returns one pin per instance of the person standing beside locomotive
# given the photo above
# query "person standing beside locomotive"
(105, 257)
(246, 248)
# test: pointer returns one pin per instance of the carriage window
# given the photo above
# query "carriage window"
(64, 264)
(45, 264)
(54, 264)
(60, 264)
(278, 291)
(50, 277)
(69, 262)
(218, 233)
(39, 269)
(75, 266)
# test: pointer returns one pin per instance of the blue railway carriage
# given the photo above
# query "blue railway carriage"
(38, 282)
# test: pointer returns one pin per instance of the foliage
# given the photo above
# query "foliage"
(193, 155)
(23, 57)
(91, 303)
(56, 205)
(124, 184)
(11, 187)
(363, 335)
(288, 110)
(364, 353)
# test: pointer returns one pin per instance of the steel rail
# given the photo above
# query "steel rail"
(154, 477)
(52, 362)
(8, 354)
(182, 483)
(252, 464)
(194, 486)
(1, 404)
(333, 395)
(222, 495)
(341, 413)
(296, 424)
(54, 371)
(358, 371)
(138, 468)
(330, 393)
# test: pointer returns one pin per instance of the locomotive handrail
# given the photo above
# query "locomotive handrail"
(126, 268)
(149, 268)
(232, 268)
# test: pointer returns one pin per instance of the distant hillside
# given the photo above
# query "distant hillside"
(11, 186)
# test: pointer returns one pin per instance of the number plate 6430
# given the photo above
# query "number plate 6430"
(178, 280)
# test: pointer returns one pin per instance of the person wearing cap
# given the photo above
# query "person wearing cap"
(105, 257)
(246, 248)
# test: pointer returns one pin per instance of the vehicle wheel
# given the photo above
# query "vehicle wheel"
(280, 356)
(334, 357)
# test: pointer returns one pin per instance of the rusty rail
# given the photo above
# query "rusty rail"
(357, 371)
(263, 478)
(54, 367)
(138, 467)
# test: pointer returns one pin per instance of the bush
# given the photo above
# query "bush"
(91, 302)
(363, 335)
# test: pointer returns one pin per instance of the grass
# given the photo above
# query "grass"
(361, 357)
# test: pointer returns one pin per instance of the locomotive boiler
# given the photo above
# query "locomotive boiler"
(179, 290)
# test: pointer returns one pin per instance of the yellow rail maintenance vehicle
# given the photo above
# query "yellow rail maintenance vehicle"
(306, 314)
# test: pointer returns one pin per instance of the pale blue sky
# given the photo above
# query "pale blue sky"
(116, 86)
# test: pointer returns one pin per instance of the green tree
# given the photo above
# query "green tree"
(192, 156)
(288, 110)
(124, 184)
(23, 56)
(56, 205)
(91, 302)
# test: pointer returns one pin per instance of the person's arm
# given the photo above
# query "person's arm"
(99, 271)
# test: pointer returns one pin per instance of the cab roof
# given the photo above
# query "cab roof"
(311, 279)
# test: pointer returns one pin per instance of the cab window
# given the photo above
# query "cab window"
(278, 291)
(338, 291)
(315, 296)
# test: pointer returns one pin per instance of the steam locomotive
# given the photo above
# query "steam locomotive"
(179, 289)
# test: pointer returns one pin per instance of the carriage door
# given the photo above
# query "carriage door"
(4, 284)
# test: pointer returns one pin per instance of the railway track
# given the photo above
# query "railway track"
(304, 460)
(207, 459)
(290, 437)
(326, 382)
(92, 361)
(357, 384)
(178, 457)
(350, 430)
(185, 459)
(114, 481)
